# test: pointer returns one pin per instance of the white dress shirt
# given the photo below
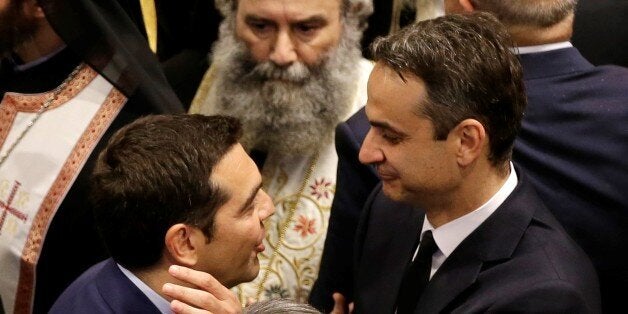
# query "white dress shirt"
(451, 234)
(541, 48)
(162, 304)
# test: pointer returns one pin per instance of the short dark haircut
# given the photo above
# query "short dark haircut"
(468, 71)
(154, 173)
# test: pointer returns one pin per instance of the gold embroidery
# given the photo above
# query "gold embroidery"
(202, 93)
(286, 224)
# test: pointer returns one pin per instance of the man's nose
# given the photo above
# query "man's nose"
(268, 208)
(369, 152)
(283, 53)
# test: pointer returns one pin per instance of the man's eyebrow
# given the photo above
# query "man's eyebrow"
(316, 19)
(385, 126)
(251, 197)
(253, 18)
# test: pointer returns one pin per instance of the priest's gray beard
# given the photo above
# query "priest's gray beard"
(286, 110)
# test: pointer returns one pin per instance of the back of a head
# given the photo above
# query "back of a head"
(154, 173)
(537, 13)
(468, 70)
(280, 306)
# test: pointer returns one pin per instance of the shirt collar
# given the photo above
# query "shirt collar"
(451, 234)
(162, 304)
(541, 48)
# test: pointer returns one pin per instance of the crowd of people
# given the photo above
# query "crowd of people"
(293, 156)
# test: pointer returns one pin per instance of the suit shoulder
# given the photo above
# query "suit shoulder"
(545, 242)
(551, 262)
(83, 294)
(548, 296)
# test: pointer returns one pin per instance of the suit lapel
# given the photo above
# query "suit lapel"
(493, 242)
(449, 282)
(384, 252)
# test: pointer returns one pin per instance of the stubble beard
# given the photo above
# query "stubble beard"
(288, 111)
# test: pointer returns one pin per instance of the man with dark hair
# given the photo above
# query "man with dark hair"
(290, 70)
(574, 136)
(453, 226)
(71, 73)
(572, 142)
(445, 102)
(171, 190)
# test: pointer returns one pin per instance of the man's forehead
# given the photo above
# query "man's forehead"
(293, 8)
(235, 169)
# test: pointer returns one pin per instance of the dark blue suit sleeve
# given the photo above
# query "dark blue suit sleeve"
(353, 185)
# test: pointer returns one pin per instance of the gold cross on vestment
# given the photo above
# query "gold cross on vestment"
(8, 209)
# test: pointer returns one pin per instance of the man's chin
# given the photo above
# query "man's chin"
(253, 273)
(393, 191)
(390, 188)
(246, 276)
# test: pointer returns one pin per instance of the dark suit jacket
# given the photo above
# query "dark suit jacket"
(572, 146)
(103, 289)
(519, 259)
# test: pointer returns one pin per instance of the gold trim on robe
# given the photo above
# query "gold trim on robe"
(88, 104)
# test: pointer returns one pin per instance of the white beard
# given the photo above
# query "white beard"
(291, 110)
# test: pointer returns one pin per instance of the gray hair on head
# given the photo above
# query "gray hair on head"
(356, 11)
(280, 306)
(540, 13)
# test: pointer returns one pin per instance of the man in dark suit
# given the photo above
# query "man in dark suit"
(445, 102)
(574, 135)
(571, 146)
(171, 190)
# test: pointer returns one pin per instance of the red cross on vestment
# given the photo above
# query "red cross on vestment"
(8, 209)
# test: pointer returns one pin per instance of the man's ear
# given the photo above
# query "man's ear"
(471, 137)
(182, 244)
(467, 5)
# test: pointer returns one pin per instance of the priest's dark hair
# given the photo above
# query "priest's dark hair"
(155, 173)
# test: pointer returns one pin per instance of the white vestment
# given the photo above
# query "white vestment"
(42, 167)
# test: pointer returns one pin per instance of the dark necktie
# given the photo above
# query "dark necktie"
(416, 276)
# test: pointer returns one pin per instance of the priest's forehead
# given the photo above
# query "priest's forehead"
(232, 5)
